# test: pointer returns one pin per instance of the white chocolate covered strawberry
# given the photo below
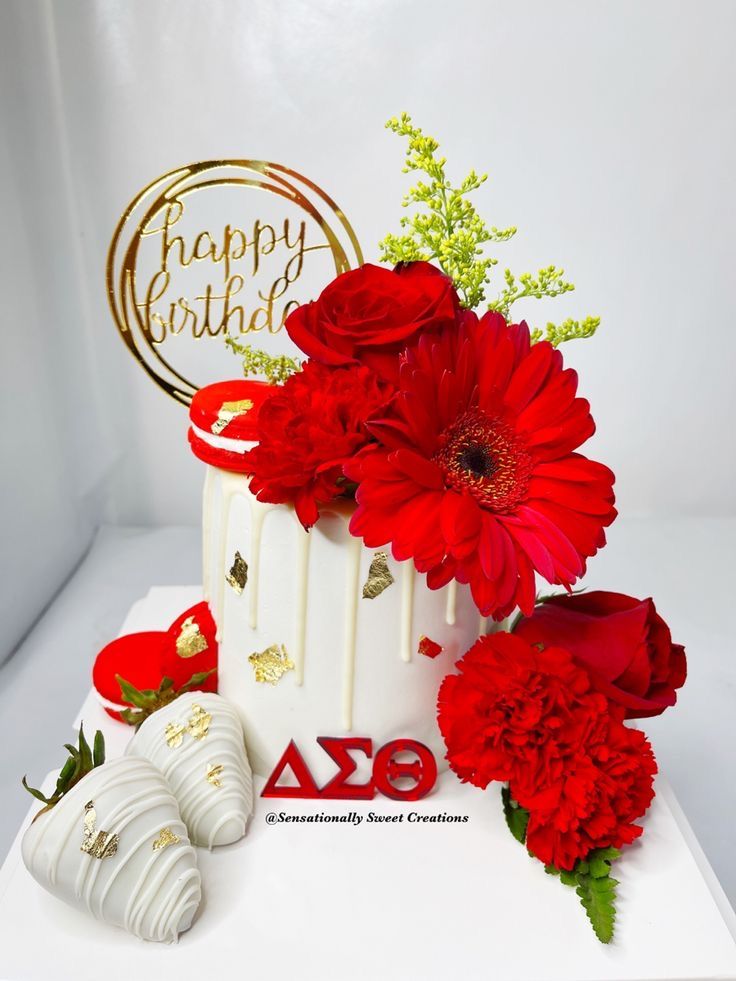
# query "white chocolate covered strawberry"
(196, 740)
(111, 842)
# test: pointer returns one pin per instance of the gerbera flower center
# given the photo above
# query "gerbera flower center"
(483, 455)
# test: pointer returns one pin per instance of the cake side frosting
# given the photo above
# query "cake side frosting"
(303, 652)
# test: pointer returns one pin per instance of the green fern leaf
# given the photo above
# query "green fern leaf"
(598, 897)
(517, 817)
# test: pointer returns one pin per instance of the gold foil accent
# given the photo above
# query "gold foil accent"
(238, 575)
(379, 576)
(199, 722)
(100, 845)
(190, 640)
(272, 664)
(166, 837)
(174, 735)
(228, 412)
(214, 772)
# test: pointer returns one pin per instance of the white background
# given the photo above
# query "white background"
(608, 130)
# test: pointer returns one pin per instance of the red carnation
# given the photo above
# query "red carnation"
(623, 642)
(595, 802)
(475, 476)
(370, 314)
(516, 713)
(529, 716)
(307, 431)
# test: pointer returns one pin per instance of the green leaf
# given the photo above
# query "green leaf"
(598, 897)
(85, 753)
(98, 750)
(599, 861)
(568, 878)
(276, 367)
(195, 680)
(35, 793)
(66, 774)
(517, 817)
(132, 695)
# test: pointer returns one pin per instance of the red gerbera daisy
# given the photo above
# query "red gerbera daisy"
(475, 476)
(307, 430)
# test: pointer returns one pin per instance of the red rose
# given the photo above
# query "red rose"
(623, 642)
(307, 430)
(516, 713)
(595, 801)
(370, 314)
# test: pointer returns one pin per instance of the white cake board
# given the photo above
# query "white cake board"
(374, 901)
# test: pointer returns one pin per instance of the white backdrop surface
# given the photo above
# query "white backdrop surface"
(609, 133)
(607, 128)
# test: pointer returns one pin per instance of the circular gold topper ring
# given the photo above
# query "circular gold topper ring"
(167, 194)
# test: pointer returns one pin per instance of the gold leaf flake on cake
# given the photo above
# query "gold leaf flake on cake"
(191, 640)
(166, 837)
(100, 845)
(228, 412)
(238, 575)
(214, 772)
(174, 735)
(379, 576)
(272, 664)
(199, 722)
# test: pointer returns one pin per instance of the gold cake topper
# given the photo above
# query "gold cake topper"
(214, 249)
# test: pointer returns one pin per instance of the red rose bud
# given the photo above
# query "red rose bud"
(369, 315)
(623, 642)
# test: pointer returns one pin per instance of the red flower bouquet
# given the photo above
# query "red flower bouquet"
(457, 435)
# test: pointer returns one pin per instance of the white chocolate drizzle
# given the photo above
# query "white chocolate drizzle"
(302, 593)
(407, 609)
(258, 512)
(227, 500)
(451, 608)
(207, 532)
(482, 626)
(352, 584)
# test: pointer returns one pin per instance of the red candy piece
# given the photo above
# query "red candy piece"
(137, 658)
(429, 647)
